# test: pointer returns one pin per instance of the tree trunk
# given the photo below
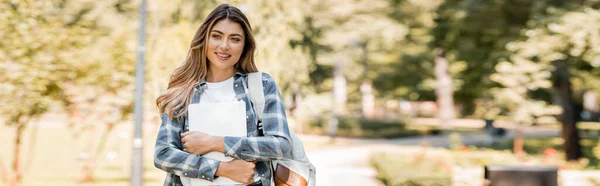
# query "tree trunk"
(518, 142)
(563, 95)
(590, 101)
(89, 163)
(339, 97)
(3, 172)
(443, 89)
(368, 100)
(339, 88)
(87, 172)
(294, 110)
(16, 177)
(297, 110)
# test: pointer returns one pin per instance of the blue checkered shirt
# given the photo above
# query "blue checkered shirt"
(275, 144)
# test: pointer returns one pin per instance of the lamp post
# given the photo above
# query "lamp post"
(137, 159)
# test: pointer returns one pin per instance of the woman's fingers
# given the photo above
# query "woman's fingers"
(251, 181)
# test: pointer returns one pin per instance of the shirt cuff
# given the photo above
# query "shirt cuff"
(230, 146)
(208, 168)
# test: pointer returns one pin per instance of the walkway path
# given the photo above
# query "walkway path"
(346, 161)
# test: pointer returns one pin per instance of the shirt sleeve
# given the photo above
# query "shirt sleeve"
(275, 144)
(170, 157)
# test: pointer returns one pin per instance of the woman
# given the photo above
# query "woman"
(215, 70)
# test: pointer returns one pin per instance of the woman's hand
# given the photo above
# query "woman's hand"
(237, 170)
(200, 143)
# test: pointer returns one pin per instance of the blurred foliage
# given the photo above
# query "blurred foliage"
(565, 36)
(411, 76)
(37, 56)
(67, 56)
(369, 128)
(79, 57)
(48, 60)
(539, 146)
(456, 141)
(493, 48)
(412, 170)
(486, 33)
(463, 166)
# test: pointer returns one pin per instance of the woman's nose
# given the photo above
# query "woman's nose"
(224, 45)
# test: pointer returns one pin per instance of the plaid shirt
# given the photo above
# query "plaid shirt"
(275, 144)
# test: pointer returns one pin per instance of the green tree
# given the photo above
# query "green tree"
(71, 56)
(475, 33)
(411, 76)
(36, 62)
(560, 55)
(357, 36)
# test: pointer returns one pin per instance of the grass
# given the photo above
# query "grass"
(435, 166)
(438, 166)
(369, 128)
(412, 170)
(537, 146)
(55, 156)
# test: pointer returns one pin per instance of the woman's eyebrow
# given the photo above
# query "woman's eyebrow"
(224, 34)
(237, 35)
(217, 31)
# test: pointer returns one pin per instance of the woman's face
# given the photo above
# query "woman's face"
(225, 44)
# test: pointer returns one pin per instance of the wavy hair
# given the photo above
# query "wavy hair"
(177, 97)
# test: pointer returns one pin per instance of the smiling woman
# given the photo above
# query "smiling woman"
(215, 71)
(225, 46)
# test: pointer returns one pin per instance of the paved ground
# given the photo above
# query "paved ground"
(344, 166)
(346, 160)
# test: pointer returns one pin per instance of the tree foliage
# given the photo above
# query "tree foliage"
(79, 57)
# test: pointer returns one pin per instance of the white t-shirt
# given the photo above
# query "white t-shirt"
(218, 92)
(215, 93)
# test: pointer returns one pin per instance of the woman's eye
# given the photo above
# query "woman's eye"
(235, 39)
(217, 36)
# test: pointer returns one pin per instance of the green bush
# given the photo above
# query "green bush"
(537, 146)
(433, 167)
(412, 170)
(368, 128)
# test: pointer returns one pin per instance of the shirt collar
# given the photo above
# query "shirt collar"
(237, 74)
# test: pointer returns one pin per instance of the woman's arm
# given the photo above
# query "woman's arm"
(169, 157)
(275, 144)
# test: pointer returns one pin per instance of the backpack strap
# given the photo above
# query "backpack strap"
(257, 94)
(299, 162)
(257, 97)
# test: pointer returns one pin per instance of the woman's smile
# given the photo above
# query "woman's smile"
(223, 56)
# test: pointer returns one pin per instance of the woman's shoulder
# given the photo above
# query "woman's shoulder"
(268, 81)
(173, 117)
(267, 77)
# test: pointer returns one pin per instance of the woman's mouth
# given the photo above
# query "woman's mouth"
(223, 56)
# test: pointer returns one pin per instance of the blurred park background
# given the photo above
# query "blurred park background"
(383, 92)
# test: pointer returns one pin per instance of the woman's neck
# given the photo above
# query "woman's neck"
(218, 75)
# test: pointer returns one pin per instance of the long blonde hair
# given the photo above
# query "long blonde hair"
(175, 100)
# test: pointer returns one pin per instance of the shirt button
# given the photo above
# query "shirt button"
(236, 85)
(185, 174)
(202, 176)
